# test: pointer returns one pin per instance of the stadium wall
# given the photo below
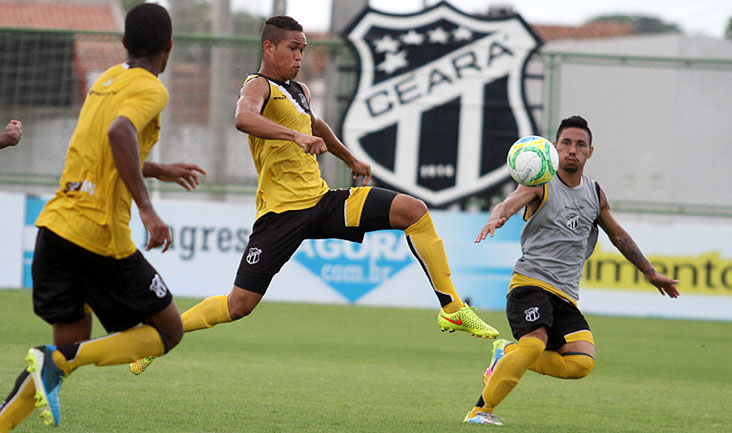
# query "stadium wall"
(210, 238)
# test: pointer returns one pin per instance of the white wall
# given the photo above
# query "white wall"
(661, 130)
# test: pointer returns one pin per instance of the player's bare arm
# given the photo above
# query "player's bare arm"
(627, 246)
(520, 197)
(13, 133)
(249, 119)
(184, 174)
(123, 143)
(336, 147)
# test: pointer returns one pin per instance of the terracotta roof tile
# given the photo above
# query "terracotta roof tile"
(57, 16)
(586, 31)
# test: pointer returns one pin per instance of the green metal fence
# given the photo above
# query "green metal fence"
(661, 124)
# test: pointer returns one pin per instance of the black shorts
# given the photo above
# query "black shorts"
(121, 292)
(528, 308)
(341, 214)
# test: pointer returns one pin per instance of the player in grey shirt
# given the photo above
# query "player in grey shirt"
(560, 233)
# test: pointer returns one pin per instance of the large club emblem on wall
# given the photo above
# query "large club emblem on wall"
(439, 99)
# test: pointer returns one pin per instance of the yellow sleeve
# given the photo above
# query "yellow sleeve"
(143, 104)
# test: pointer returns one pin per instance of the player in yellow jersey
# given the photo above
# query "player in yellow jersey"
(84, 255)
(12, 134)
(294, 202)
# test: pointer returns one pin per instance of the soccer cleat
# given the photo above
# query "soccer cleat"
(140, 365)
(466, 320)
(47, 378)
(483, 418)
(499, 347)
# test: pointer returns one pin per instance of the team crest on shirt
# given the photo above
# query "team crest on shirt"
(573, 222)
(304, 101)
(439, 99)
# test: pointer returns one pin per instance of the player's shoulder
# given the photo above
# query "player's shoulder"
(302, 87)
(594, 186)
(256, 80)
(257, 84)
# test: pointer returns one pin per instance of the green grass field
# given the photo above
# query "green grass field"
(315, 368)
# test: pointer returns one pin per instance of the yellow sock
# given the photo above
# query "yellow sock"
(427, 247)
(207, 313)
(118, 348)
(508, 372)
(574, 366)
(18, 404)
(554, 364)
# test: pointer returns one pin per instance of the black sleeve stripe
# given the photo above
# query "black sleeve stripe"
(269, 94)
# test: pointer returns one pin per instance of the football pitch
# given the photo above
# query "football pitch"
(322, 368)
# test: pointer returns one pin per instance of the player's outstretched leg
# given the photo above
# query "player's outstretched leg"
(499, 349)
(206, 314)
(466, 320)
(47, 378)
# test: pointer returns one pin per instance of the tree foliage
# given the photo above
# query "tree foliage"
(641, 24)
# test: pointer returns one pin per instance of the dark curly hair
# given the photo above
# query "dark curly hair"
(147, 30)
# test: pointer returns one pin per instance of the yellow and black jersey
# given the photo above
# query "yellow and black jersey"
(289, 178)
(92, 206)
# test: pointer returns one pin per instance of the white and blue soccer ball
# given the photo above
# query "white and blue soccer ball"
(532, 160)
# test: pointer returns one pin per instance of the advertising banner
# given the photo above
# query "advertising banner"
(11, 238)
(209, 240)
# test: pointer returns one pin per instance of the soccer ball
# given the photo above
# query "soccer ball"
(532, 160)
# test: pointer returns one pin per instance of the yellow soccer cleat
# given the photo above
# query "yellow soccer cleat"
(140, 365)
(466, 320)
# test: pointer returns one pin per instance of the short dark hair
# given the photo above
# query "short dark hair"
(574, 122)
(275, 28)
(147, 30)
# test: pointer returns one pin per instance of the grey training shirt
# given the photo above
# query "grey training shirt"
(558, 238)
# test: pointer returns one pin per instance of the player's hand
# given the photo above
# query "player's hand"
(184, 174)
(311, 144)
(490, 229)
(14, 131)
(360, 168)
(158, 230)
(664, 284)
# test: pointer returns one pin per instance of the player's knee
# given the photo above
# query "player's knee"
(171, 335)
(242, 302)
(581, 366)
(411, 209)
(175, 335)
(239, 309)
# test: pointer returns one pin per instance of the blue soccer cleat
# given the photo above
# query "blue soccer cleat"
(499, 347)
(47, 378)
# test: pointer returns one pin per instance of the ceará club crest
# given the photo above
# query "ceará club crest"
(439, 99)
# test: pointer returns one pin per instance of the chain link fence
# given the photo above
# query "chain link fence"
(661, 125)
